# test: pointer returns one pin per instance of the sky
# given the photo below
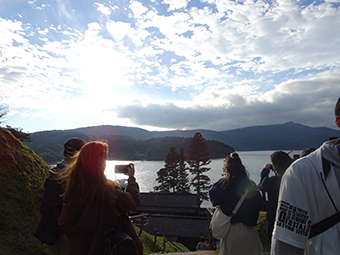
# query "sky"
(168, 64)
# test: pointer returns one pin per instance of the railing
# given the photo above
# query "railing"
(143, 220)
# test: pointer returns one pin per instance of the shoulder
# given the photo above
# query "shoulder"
(304, 167)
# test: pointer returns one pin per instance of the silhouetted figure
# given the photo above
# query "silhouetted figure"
(48, 230)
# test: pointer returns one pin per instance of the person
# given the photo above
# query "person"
(87, 192)
(307, 151)
(242, 237)
(202, 245)
(309, 194)
(48, 230)
(271, 185)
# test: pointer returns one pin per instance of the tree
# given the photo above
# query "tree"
(3, 112)
(183, 184)
(168, 176)
(198, 160)
(19, 134)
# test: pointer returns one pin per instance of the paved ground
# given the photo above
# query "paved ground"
(189, 253)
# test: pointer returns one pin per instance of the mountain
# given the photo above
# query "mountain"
(137, 143)
(124, 143)
(286, 136)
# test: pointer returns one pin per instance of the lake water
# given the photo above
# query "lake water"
(146, 171)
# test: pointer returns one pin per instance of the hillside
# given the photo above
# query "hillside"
(22, 175)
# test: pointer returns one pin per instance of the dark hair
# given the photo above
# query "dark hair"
(235, 172)
(281, 161)
(307, 151)
(72, 146)
(337, 108)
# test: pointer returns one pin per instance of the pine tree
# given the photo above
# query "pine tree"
(168, 176)
(183, 184)
(198, 160)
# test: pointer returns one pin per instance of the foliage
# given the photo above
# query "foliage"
(19, 134)
(3, 112)
(149, 247)
(261, 229)
(198, 160)
(22, 175)
(167, 176)
(173, 177)
(183, 180)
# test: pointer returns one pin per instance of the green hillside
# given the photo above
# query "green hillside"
(22, 175)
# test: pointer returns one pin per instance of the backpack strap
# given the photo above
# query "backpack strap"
(331, 221)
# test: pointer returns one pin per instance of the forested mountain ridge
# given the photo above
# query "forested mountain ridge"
(49, 146)
(138, 144)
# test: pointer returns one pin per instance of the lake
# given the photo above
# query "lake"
(146, 171)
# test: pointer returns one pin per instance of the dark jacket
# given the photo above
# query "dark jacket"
(227, 198)
(85, 226)
(270, 185)
(48, 230)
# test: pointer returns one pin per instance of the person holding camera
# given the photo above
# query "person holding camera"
(270, 185)
(86, 194)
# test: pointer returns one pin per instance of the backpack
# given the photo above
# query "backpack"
(117, 243)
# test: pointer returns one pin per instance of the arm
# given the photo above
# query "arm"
(215, 194)
(130, 199)
(264, 175)
(48, 230)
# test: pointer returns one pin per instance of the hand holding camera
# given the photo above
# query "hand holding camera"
(268, 166)
(125, 169)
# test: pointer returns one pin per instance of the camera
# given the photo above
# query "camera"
(121, 169)
(271, 167)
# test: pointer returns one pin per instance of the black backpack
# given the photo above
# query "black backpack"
(117, 243)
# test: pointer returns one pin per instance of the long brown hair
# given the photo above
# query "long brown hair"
(87, 168)
(234, 171)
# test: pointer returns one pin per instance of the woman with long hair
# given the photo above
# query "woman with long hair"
(242, 238)
(86, 192)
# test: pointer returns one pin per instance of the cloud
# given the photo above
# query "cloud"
(172, 64)
(226, 109)
(176, 4)
(103, 9)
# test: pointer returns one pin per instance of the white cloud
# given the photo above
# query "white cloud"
(103, 9)
(176, 4)
(119, 30)
(137, 8)
(220, 66)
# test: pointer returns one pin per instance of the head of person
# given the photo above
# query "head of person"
(233, 166)
(71, 147)
(235, 172)
(91, 159)
(281, 161)
(307, 151)
(88, 168)
(337, 113)
(202, 239)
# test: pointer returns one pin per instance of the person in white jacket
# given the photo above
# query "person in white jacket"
(309, 193)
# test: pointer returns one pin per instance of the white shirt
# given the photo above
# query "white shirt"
(303, 201)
